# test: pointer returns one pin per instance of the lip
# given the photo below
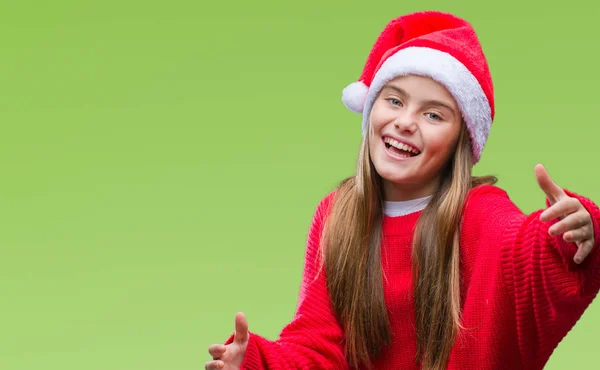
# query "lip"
(403, 141)
(394, 157)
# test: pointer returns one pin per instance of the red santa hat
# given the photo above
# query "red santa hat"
(434, 44)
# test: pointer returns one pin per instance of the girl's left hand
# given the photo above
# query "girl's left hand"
(575, 221)
(230, 356)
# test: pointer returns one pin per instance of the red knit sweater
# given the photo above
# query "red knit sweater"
(522, 293)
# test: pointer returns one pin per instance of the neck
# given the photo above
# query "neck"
(394, 192)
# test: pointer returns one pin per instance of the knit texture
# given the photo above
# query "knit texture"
(521, 293)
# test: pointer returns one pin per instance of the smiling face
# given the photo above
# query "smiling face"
(415, 125)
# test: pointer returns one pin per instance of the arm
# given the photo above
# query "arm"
(549, 291)
(313, 339)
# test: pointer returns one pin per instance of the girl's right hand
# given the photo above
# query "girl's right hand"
(231, 356)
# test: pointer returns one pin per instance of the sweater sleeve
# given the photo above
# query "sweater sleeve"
(550, 292)
(313, 339)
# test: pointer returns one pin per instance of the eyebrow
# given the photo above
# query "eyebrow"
(426, 102)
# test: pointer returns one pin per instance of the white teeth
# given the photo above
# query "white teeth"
(401, 146)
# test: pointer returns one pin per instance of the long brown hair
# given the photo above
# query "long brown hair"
(351, 246)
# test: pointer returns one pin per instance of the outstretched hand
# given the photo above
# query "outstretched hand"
(575, 221)
(230, 356)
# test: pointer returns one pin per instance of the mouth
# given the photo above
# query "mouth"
(398, 149)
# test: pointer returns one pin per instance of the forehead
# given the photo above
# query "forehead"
(420, 88)
(416, 82)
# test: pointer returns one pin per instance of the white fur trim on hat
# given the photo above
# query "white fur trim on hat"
(353, 96)
(448, 71)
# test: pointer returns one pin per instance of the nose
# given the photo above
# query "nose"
(406, 122)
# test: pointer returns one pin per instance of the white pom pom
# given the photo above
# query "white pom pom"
(353, 96)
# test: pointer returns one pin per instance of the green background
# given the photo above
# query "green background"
(161, 161)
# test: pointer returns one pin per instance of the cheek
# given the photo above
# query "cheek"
(380, 116)
(376, 124)
(441, 143)
(372, 145)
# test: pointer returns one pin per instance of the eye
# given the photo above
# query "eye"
(395, 102)
(434, 116)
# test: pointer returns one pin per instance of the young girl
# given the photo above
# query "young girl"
(413, 263)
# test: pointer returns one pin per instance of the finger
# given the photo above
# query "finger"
(573, 221)
(553, 191)
(584, 249)
(214, 365)
(241, 328)
(577, 235)
(217, 350)
(562, 208)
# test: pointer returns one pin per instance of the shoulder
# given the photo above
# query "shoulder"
(342, 191)
(323, 206)
(483, 196)
(326, 203)
(488, 211)
(486, 191)
(485, 203)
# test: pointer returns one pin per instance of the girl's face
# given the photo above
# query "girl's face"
(415, 125)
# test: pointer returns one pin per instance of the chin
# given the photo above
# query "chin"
(394, 174)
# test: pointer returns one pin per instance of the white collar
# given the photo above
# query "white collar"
(401, 208)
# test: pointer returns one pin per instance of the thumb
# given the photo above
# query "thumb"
(241, 328)
(553, 191)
